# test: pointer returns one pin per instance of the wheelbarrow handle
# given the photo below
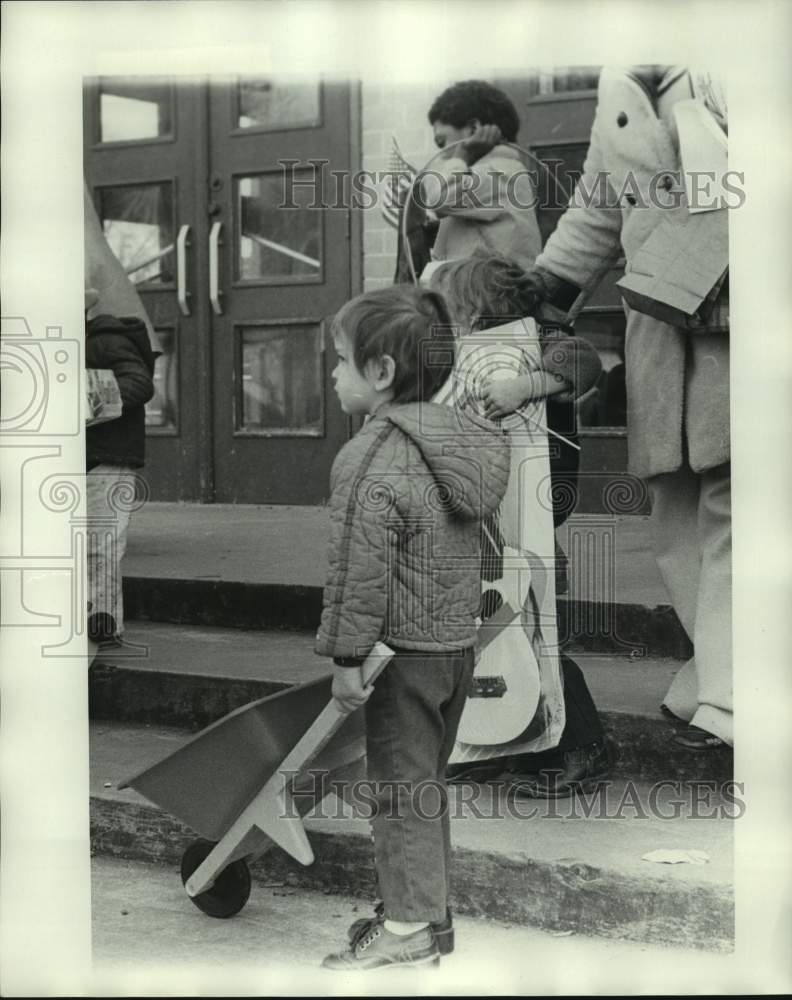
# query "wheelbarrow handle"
(267, 810)
(376, 661)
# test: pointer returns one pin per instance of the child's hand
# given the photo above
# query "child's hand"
(348, 689)
(503, 397)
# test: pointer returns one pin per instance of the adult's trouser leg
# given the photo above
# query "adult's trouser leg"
(691, 522)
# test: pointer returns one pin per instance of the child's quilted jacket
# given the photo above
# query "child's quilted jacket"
(409, 492)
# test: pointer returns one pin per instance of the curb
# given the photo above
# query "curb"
(559, 896)
(583, 626)
(642, 746)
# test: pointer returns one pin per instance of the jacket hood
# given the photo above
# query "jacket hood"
(128, 326)
(467, 455)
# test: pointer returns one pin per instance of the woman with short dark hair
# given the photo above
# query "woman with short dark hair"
(482, 192)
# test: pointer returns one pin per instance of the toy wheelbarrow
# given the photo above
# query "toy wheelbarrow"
(245, 782)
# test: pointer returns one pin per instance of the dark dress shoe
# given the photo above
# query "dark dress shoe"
(695, 738)
(578, 770)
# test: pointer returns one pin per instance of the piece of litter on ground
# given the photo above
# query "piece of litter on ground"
(108, 784)
(675, 856)
(273, 885)
(563, 933)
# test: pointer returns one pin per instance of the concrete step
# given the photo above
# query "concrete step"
(546, 865)
(252, 566)
(183, 676)
(586, 626)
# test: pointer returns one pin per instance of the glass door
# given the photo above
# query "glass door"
(279, 258)
(145, 156)
(219, 199)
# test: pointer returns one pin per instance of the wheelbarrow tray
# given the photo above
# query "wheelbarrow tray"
(209, 781)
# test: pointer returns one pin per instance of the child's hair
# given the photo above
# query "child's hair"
(460, 104)
(409, 323)
(489, 289)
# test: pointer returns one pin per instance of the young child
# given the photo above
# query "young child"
(485, 292)
(409, 492)
(113, 450)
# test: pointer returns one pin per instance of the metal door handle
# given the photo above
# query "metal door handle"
(182, 242)
(214, 268)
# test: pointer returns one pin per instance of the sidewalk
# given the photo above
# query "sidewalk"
(149, 940)
(559, 866)
(288, 545)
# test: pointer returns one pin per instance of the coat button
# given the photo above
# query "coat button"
(622, 119)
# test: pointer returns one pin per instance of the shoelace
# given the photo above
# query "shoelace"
(379, 913)
(369, 939)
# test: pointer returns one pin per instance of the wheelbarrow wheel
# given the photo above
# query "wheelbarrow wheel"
(231, 889)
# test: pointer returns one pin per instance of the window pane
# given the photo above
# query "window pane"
(138, 223)
(277, 103)
(281, 389)
(134, 108)
(277, 242)
(162, 410)
(566, 78)
(564, 165)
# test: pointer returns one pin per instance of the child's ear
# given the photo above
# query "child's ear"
(384, 373)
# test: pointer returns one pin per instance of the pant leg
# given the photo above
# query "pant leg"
(564, 458)
(452, 712)
(691, 519)
(674, 523)
(411, 721)
(110, 491)
(583, 724)
(713, 629)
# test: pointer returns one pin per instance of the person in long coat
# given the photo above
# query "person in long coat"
(677, 381)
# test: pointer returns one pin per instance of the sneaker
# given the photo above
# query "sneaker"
(378, 948)
(578, 770)
(443, 931)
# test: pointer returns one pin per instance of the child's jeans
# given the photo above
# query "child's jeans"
(412, 717)
(110, 499)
